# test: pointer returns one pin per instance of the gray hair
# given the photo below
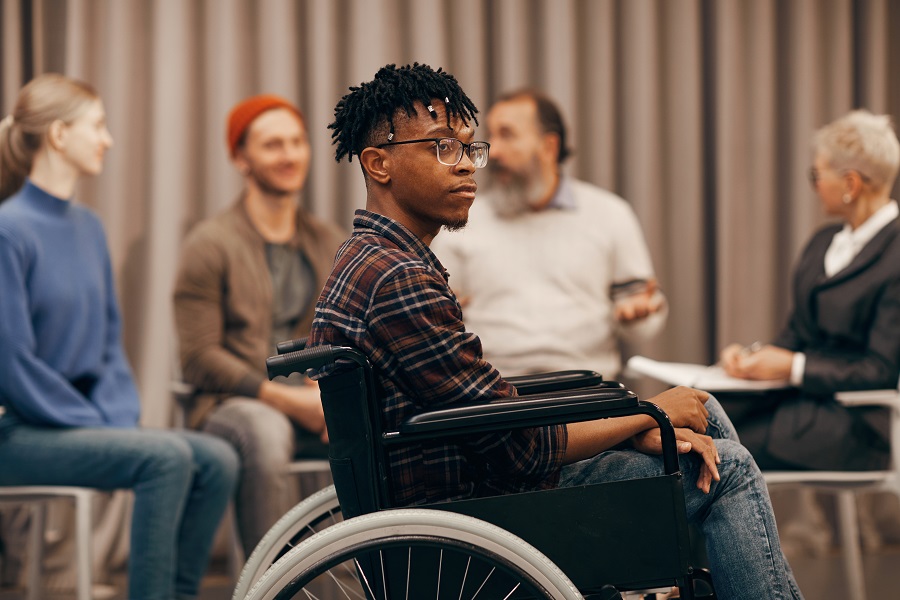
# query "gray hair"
(863, 142)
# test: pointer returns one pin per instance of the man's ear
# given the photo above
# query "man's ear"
(240, 162)
(551, 145)
(377, 164)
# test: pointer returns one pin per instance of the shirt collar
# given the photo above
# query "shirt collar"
(374, 223)
(564, 198)
(43, 199)
(863, 234)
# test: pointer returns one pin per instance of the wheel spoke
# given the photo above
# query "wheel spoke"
(408, 569)
(365, 579)
(484, 582)
(342, 586)
(512, 591)
(465, 575)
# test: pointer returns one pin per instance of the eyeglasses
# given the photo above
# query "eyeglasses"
(450, 150)
(815, 176)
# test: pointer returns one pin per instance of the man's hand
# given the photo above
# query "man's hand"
(650, 442)
(767, 362)
(639, 305)
(301, 403)
(685, 407)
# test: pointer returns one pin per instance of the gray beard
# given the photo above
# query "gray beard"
(520, 195)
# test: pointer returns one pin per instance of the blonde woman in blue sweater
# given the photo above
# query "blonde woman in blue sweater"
(71, 407)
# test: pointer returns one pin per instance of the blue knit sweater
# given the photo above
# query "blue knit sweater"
(61, 357)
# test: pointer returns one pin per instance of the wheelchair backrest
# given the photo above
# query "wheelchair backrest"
(353, 418)
(354, 448)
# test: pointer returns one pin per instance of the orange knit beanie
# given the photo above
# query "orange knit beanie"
(245, 112)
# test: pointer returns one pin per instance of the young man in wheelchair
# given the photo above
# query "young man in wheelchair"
(412, 130)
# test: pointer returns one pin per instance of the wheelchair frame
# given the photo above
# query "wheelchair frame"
(649, 547)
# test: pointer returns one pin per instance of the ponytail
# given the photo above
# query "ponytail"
(15, 156)
(43, 100)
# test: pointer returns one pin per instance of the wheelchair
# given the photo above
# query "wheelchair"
(626, 535)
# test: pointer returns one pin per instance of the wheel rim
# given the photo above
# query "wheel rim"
(413, 567)
(413, 533)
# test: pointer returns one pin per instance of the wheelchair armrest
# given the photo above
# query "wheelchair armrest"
(521, 411)
(552, 381)
(514, 413)
(533, 411)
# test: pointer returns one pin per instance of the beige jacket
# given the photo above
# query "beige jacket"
(223, 302)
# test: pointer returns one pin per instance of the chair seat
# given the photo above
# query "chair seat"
(30, 493)
(829, 478)
(37, 496)
(309, 465)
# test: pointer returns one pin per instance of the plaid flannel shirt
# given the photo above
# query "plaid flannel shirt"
(388, 296)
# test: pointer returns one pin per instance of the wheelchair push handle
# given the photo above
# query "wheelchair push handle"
(301, 361)
(291, 345)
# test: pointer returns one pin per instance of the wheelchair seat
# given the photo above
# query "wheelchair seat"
(631, 534)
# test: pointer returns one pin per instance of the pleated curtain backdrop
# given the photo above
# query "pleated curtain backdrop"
(698, 112)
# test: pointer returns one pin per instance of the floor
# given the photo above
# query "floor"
(820, 578)
(808, 542)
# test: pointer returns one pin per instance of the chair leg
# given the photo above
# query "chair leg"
(35, 555)
(853, 564)
(236, 556)
(83, 546)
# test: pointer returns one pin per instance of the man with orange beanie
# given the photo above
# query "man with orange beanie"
(249, 278)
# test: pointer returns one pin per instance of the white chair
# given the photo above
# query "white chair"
(37, 498)
(846, 484)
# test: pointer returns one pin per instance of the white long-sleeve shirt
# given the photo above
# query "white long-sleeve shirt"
(536, 288)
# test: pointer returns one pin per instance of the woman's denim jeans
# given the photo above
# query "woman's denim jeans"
(736, 517)
(182, 482)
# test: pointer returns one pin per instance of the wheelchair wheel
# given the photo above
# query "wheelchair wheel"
(310, 516)
(414, 553)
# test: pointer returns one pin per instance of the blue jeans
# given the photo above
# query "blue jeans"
(182, 482)
(735, 517)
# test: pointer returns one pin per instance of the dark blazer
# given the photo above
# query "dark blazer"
(848, 325)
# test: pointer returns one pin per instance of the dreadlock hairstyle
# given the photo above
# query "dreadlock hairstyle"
(369, 109)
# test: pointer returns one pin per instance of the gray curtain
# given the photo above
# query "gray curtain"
(698, 112)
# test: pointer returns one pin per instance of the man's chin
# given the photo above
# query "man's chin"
(456, 225)
(273, 188)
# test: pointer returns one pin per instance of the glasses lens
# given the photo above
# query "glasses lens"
(478, 153)
(449, 151)
(813, 176)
